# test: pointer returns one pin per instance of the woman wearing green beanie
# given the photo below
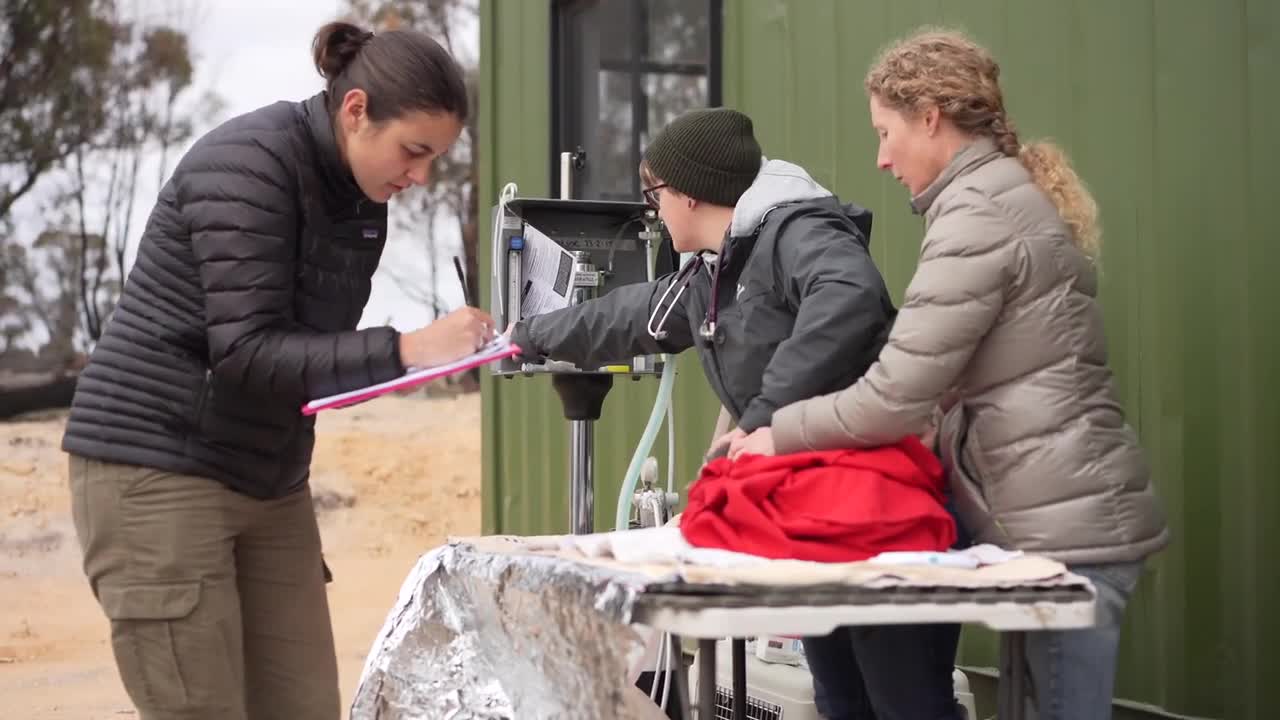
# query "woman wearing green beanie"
(781, 283)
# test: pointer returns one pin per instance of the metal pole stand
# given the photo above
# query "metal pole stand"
(582, 395)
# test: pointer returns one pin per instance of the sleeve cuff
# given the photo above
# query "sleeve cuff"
(385, 363)
(755, 418)
(396, 360)
(788, 429)
(521, 337)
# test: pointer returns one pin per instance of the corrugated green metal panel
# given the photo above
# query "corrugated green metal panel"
(1213, 419)
(1257, 582)
(1168, 109)
(807, 103)
(513, 129)
(525, 433)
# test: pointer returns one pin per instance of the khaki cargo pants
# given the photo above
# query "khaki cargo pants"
(216, 600)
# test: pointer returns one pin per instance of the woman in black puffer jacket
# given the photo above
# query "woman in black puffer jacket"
(189, 456)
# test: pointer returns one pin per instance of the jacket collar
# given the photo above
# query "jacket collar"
(778, 183)
(334, 172)
(977, 153)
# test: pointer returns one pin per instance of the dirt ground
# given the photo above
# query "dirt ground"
(392, 478)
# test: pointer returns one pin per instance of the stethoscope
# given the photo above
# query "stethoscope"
(707, 330)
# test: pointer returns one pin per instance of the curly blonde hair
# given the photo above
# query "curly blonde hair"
(947, 70)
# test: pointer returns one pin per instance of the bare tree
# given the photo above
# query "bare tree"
(42, 291)
(152, 68)
(14, 324)
(55, 56)
(86, 92)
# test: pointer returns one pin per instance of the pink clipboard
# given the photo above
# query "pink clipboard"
(497, 350)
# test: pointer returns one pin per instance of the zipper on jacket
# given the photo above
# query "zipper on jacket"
(203, 399)
(712, 342)
(719, 370)
(731, 402)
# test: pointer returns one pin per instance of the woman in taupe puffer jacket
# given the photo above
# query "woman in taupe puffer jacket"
(1000, 329)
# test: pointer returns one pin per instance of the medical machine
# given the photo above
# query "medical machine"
(550, 254)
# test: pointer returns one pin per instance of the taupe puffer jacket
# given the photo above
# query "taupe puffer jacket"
(1001, 322)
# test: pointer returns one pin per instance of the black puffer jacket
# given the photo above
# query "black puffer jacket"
(252, 274)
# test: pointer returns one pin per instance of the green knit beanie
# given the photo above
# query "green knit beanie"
(710, 155)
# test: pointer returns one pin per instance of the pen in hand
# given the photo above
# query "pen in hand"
(466, 295)
(462, 279)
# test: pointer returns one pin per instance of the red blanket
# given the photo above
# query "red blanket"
(834, 506)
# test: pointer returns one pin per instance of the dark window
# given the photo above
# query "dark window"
(621, 70)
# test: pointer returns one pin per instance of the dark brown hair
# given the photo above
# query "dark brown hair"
(400, 70)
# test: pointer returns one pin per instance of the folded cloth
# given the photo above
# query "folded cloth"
(831, 506)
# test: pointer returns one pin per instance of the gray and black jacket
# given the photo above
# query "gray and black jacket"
(801, 309)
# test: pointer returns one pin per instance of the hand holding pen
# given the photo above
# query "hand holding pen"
(453, 336)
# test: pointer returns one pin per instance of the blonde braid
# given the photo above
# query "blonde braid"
(1006, 137)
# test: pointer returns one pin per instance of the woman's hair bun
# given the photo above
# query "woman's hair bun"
(335, 46)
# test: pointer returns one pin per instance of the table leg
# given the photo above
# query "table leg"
(1013, 689)
(739, 679)
(680, 676)
(706, 679)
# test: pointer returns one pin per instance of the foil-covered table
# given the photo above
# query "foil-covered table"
(501, 627)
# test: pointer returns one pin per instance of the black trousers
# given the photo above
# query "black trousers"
(885, 672)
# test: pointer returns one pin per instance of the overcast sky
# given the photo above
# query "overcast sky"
(253, 53)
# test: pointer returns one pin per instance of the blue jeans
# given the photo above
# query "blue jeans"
(1073, 672)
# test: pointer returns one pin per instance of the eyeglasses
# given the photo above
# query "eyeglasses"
(651, 195)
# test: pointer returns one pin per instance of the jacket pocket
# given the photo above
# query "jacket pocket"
(151, 644)
(766, 318)
(972, 508)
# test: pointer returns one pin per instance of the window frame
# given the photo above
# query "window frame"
(566, 88)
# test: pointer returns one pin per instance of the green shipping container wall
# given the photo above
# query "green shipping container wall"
(1169, 109)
